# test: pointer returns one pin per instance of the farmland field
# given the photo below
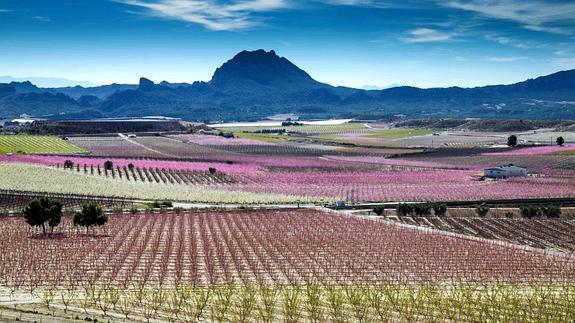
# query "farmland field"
(323, 129)
(207, 228)
(36, 144)
(242, 265)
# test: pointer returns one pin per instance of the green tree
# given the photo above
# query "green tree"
(68, 164)
(560, 141)
(91, 215)
(439, 209)
(404, 209)
(42, 210)
(108, 164)
(512, 141)
(550, 211)
(529, 211)
(379, 210)
(422, 209)
(482, 210)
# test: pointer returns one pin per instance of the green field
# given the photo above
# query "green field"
(36, 144)
(399, 133)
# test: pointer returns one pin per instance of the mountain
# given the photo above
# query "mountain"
(102, 91)
(262, 68)
(254, 85)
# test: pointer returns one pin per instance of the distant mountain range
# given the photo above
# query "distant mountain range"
(45, 81)
(257, 84)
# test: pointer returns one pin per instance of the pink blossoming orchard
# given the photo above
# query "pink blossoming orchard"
(244, 228)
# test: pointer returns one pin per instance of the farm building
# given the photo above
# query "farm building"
(505, 171)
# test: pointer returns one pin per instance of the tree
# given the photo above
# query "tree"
(39, 211)
(379, 210)
(108, 165)
(512, 141)
(482, 210)
(404, 209)
(550, 211)
(212, 170)
(130, 166)
(439, 209)
(529, 211)
(422, 209)
(560, 141)
(91, 215)
(68, 164)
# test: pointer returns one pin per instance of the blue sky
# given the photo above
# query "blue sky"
(341, 42)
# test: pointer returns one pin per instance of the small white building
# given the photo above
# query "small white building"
(505, 171)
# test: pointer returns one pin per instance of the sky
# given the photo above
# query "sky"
(356, 43)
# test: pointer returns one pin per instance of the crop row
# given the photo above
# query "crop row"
(538, 233)
(36, 178)
(315, 179)
(532, 151)
(550, 165)
(156, 175)
(315, 302)
(16, 200)
(274, 246)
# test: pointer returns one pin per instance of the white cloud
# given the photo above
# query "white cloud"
(505, 59)
(42, 18)
(214, 15)
(565, 62)
(425, 35)
(360, 3)
(521, 44)
(544, 16)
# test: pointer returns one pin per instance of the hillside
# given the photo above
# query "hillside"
(257, 84)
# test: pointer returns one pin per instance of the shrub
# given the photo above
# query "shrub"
(560, 141)
(509, 214)
(212, 170)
